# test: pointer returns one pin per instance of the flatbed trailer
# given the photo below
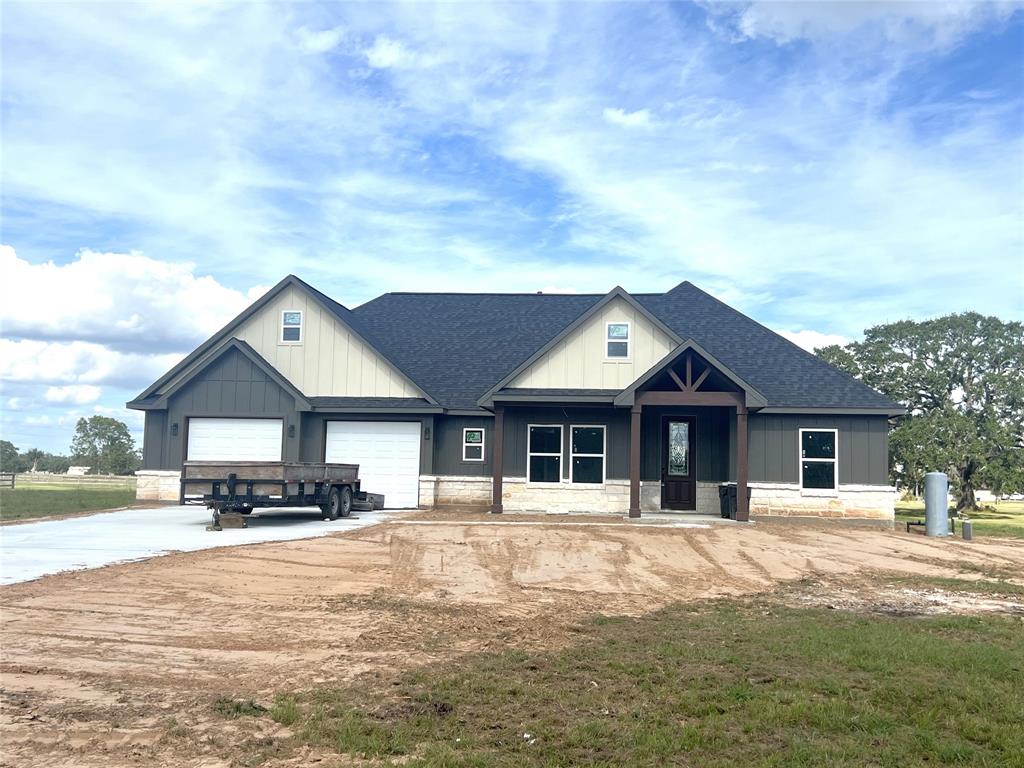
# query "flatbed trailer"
(241, 486)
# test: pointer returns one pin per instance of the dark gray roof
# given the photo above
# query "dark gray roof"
(456, 346)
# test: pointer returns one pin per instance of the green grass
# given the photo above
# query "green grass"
(28, 502)
(235, 708)
(730, 682)
(1002, 518)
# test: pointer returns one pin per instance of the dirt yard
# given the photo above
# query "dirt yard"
(100, 668)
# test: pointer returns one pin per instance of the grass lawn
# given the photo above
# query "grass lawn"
(1002, 518)
(747, 682)
(35, 501)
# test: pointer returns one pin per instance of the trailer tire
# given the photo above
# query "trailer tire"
(330, 509)
(339, 503)
(346, 502)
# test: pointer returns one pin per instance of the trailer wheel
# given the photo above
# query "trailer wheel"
(339, 503)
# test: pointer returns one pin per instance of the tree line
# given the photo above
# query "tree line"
(101, 443)
(961, 379)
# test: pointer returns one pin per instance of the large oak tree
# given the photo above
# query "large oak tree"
(961, 378)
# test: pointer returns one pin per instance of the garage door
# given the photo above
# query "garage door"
(388, 455)
(234, 439)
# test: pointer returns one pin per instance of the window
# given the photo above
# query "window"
(587, 453)
(544, 454)
(291, 326)
(472, 444)
(617, 341)
(818, 459)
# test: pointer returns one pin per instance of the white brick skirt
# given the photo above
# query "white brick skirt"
(872, 502)
(157, 485)
(454, 491)
(875, 502)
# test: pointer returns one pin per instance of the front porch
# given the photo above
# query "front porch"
(667, 443)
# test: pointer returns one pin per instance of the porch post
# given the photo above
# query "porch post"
(634, 462)
(497, 465)
(742, 504)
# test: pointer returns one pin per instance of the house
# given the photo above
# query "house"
(619, 403)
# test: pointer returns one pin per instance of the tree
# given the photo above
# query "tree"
(961, 378)
(9, 459)
(105, 444)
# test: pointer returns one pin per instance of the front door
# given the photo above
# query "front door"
(678, 478)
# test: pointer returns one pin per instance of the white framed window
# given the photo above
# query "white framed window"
(587, 445)
(617, 337)
(473, 444)
(291, 326)
(819, 466)
(544, 453)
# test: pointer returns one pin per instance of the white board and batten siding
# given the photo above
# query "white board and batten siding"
(388, 455)
(234, 439)
(578, 360)
(329, 360)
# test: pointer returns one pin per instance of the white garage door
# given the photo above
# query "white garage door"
(388, 455)
(234, 439)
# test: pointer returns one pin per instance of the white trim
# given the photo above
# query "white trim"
(603, 455)
(628, 341)
(302, 322)
(482, 443)
(559, 455)
(834, 490)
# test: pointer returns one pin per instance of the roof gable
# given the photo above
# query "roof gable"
(246, 325)
(216, 354)
(519, 376)
(754, 399)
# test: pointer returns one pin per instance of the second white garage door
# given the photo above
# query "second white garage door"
(388, 455)
(234, 439)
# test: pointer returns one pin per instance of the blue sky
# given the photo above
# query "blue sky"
(822, 167)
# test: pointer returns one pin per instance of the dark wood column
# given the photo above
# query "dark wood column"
(742, 505)
(634, 462)
(497, 464)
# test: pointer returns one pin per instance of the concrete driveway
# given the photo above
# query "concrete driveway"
(31, 550)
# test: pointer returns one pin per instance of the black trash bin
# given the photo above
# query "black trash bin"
(727, 500)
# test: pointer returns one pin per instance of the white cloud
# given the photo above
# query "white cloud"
(387, 53)
(123, 300)
(812, 340)
(79, 362)
(320, 41)
(639, 119)
(79, 394)
(914, 24)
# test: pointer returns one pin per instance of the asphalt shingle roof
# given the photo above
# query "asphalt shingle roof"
(456, 346)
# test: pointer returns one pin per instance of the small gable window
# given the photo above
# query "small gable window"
(617, 341)
(472, 445)
(291, 326)
(818, 459)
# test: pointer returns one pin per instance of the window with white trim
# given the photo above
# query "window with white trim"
(587, 450)
(544, 453)
(472, 444)
(291, 326)
(617, 341)
(818, 465)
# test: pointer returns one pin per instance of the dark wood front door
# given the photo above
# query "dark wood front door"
(678, 472)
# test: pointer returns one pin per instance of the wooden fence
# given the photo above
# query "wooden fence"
(6, 479)
(28, 479)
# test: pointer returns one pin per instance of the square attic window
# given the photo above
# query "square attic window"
(617, 341)
(291, 326)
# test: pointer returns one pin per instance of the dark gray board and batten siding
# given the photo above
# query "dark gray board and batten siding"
(863, 450)
(229, 386)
